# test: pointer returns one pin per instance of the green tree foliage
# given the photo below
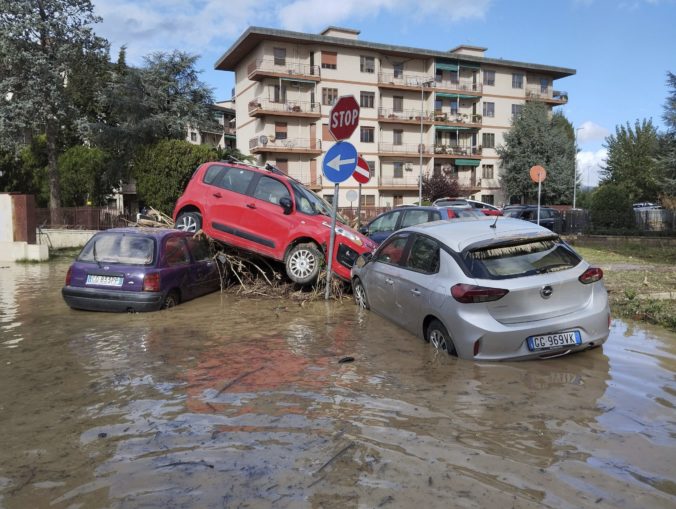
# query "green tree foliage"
(631, 160)
(611, 208)
(538, 138)
(666, 159)
(85, 176)
(25, 172)
(44, 46)
(163, 170)
(669, 115)
(438, 185)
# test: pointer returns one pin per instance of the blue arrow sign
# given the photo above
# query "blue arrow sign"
(340, 162)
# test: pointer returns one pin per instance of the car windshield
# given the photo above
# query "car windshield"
(308, 202)
(524, 259)
(512, 213)
(123, 248)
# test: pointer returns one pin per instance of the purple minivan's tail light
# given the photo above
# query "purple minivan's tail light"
(591, 275)
(472, 294)
(151, 282)
(69, 275)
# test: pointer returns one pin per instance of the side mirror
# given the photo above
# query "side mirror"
(363, 259)
(364, 230)
(286, 204)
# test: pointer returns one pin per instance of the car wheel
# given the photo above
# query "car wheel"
(439, 337)
(172, 299)
(303, 263)
(189, 222)
(360, 294)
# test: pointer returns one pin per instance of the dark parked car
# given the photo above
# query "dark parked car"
(388, 222)
(140, 269)
(549, 218)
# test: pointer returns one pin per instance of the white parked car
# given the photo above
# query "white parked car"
(486, 290)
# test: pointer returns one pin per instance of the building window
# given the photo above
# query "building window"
(488, 198)
(280, 56)
(516, 109)
(438, 75)
(398, 136)
(280, 130)
(368, 200)
(398, 170)
(329, 198)
(367, 64)
(193, 136)
(454, 106)
(398, 70)
(487, 171)
(278, 94)
(489, 78)
(367, 134)
(544, 85)
(283, 164)
(329, 96)
(398, 101)
(326, 134)
(367, 99)
(372, 168)
(489, 109)
(397, 199)
(517, 80)
(329, 60)
(488, 140)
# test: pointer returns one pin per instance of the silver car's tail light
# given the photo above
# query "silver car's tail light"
(591, 275)
(151, 282)
(471, 294)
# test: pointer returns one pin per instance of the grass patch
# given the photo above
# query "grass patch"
(629, 252)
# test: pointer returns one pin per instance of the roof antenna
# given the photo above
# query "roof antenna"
(495, 222)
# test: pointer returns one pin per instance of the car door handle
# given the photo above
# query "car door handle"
(389, 281)
(251, 205)
(416, 293)
(217, 195)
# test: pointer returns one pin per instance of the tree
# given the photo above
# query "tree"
(666, 159)
(163, 170)
(42, 43)
(438, 185)
(536, 138)
(631, 160)
(25, 172)
(85, 176)
(611, 207)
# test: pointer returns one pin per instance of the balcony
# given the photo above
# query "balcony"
(261, 107)
(537, 93)
(406, 182)
(268, 144)
(266, 68)
(457, 151)
(454, 119)
(462, 86)
(404, 116)
(398, 81)
(406, 149)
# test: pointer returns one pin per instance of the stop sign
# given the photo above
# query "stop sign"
(344, 117)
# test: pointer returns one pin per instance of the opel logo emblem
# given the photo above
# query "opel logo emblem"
(546, 291)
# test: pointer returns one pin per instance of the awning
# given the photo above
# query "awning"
(467, 162)
(468, 65)
(298, 79)
(457, 96)
(446, 67)
(451, 128)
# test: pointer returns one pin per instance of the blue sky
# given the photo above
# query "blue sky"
(621, 49)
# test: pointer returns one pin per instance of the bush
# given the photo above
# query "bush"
(611, 208)
(85, 176)
(163, 170)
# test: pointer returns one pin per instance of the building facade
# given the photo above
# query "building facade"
(422, 111)
(223, 134)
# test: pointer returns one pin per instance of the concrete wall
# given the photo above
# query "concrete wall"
(61, 239)
(11, 249)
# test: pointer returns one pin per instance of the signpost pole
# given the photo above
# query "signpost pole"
(539, 189)
(332, 240)
(359, 208)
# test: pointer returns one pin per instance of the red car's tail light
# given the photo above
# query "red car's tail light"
(69, 274)
(591, 275)
(151, 282)
(470, 294)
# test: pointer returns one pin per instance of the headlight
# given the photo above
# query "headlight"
(345, 233)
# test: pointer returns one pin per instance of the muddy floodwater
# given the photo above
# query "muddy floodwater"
(225, 402)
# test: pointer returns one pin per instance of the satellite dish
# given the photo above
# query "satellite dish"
(263, 139)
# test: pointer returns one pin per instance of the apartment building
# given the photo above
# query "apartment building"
(422, 110)
(223, 133)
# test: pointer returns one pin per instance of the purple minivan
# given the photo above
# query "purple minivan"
(140, 269)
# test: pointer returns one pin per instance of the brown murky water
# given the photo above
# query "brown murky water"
(231, 403)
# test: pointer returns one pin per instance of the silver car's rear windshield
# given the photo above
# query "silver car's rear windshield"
(518, 260)
(119, 248)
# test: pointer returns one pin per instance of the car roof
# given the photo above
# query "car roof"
(147, 231)
(462, 233)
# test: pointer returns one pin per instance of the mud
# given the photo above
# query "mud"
(224, 402)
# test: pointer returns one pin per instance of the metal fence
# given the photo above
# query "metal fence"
(82, 218)
(657, 220)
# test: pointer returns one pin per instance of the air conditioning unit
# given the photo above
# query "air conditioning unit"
(263, 140)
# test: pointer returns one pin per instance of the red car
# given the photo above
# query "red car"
(266, 212)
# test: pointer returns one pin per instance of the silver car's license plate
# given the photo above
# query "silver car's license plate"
(95, 279)
(554, 340)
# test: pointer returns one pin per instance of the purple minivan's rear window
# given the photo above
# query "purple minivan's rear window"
(126, 249)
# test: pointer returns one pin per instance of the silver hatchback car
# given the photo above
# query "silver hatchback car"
(486, 290)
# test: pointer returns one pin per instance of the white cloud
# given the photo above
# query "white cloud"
(589, 131)
(589, 164)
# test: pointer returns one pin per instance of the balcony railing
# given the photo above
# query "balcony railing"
(403, 115)
(404, 80)
(409, 179)
(294, 108)
(457, 150)
(266, 67)
(459, 85)
(404, 148)
(265, 143)
(546, 94)
(458, 118)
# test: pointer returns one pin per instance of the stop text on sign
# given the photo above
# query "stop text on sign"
(344, 118)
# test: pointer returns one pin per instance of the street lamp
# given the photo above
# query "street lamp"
(575, 175)
(423, 84)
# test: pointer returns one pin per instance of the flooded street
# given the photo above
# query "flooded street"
(222, 402)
